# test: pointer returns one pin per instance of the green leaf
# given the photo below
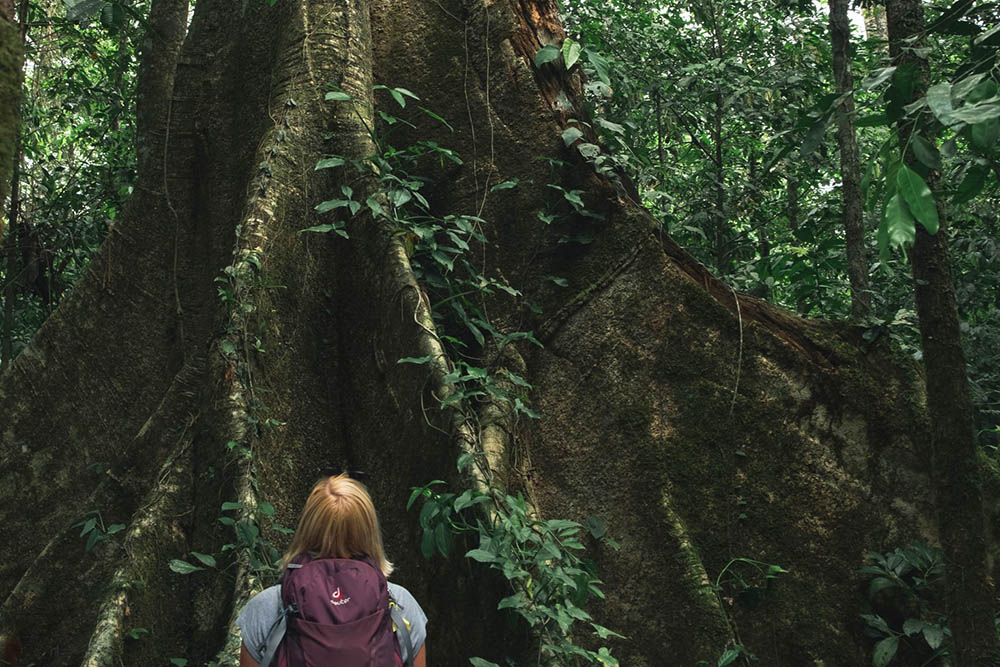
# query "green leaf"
(183, 567)
(728, 657)
(464, 461)
(571, 134)
(322, 229)
(984, 135)
(605, 658)
(978, 113)
(963, 87)
(227, 506)
(814, 137)
(179, 662)
(115, 528)
(982, 38)
(415, 360)
(327, 163)
(597, 527)
(933, 635)
(506, 185)
(337, 96)
(939, 100)
(266, 508)
(513, 601)
(204, 559)
(398, 95)
(900, 226)
(926, 152)
(600, 65)
(604, 632)
(88, 526)
(880, 584)
(918, 197)
(442, 539)
(247, 532)
(546, 54)
(571, 52)
(972, 184)
(589, 151)
(427, 543)
(332, 204)
(479, 662)
(885, 651)
(873, 120)
(912, 626)
(436, 117)
(77, 10)
(877, 77)
(481, 556)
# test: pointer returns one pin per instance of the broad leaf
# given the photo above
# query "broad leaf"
(479, 662)
(933, 635)
(78, 10)
(571, 52)
(972, 184)
(926, 152)
(900, 228)
(939, 100)
(183, 567)
(204, 558)
(919, 198)
(885, 651)
(327, 163)
(978, 113)
(546, 54)
(571, 134)
(877, 78)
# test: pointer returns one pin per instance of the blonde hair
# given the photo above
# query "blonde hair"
(339, 521)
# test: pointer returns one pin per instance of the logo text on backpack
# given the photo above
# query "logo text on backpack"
(337, 600)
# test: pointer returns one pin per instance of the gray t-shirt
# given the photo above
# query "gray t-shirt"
(264, 608)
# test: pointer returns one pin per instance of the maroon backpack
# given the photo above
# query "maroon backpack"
(335, 611)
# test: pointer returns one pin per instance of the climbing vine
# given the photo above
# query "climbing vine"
(542, 560)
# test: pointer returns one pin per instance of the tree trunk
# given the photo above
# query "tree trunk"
(12, 275)
(11, 66)
(700, 425)
(957, 468)
(850, 170)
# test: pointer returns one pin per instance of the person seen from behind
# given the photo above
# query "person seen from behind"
(334, 605)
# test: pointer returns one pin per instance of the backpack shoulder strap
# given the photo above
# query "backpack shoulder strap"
(402, 632)
(274, 637)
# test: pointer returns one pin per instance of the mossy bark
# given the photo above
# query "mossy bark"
(702, 425)
(11, 66)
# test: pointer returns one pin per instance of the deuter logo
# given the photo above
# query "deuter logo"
(336, 599)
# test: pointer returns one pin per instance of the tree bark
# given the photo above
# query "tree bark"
(958, 470)
(671, 406)
(12, 275)
(850, 170)
(11, 68)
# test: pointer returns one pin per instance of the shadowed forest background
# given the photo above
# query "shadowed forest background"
(663, 333)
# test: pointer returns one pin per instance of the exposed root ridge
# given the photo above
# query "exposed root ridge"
(697, 585)
(165, 500)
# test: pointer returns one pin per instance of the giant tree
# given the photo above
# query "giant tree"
(215, 357)
(957, 464)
